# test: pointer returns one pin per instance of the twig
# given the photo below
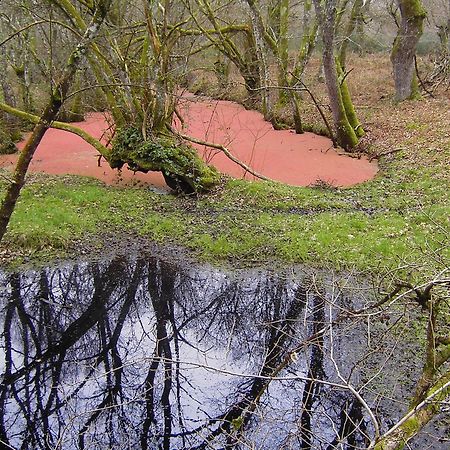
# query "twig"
(277, 87)
(416, 409)
(420, 79)
(226, 152)
(350, 387)
(17, 32)
(9, 180)
(389, 152)
(322, 114)
(345, 76)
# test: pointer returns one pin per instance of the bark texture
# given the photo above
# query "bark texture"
(340, 102)
(404, 49)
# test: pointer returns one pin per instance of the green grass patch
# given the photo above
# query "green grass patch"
(391, 221)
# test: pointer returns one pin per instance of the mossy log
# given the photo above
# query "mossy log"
(182, 168)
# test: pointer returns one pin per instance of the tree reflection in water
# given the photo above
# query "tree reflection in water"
(140, 353)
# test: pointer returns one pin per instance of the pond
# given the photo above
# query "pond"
(299, 160)
(145, 353)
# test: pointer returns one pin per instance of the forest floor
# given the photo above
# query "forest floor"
(399, 219)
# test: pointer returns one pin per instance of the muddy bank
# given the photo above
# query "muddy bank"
(299, 160)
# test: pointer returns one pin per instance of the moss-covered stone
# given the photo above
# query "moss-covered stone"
(179, 163)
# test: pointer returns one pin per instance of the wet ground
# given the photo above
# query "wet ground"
(298, 160)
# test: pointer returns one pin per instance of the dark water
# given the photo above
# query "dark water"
(143, 354)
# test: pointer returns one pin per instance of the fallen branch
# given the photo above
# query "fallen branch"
(389, 152)
(223, 149)
(420, 78)
(345, 76)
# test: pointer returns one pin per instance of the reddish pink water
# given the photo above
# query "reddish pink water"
(284, 156)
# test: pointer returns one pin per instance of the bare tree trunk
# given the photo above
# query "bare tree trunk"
(260, 44)
(306, 48)
(404, 48)
(50, 112)
(346, 136)
(22, 70)
(8, 94)
(274, 36)
(11, 122)
(444, 34)
(355, 17)
(278, 30)
(24, 86)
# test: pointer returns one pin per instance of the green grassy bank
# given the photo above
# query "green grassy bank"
(400, 218)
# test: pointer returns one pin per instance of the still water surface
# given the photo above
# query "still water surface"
(139, 353)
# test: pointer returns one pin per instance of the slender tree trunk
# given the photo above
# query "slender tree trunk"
(49, 114)
(307, 45)
(348, 104)
(280, 33)
(346, 136)
(444, 34)
(222, 71)
(355, 16)
(24, 87)
(7, 92)
(261, 51)
(404, 48)
(296, 112)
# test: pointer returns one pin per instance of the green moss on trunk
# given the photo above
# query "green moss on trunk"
(348, 104)
(413, 15)
(179, 163)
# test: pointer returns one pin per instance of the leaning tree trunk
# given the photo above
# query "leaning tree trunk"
(50, 112)
(404, 48)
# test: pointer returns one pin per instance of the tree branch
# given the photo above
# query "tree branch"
(103, 150)
(222, 148)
